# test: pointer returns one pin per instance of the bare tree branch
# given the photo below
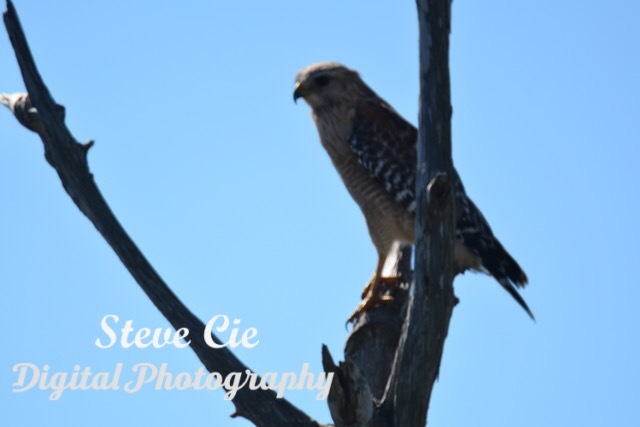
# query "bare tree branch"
(373, 342)
(432, 300)
(393, 354)
(350, 399)
(399, 347)
(369, 355)
(68, 158)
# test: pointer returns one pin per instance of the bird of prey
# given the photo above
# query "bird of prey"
(374, 150)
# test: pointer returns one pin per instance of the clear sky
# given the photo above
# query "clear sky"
(221, 180)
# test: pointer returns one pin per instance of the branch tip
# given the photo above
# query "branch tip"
(86, 146)
(10, 8)
(328, 363)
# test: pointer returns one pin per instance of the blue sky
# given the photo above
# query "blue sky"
(222, 182)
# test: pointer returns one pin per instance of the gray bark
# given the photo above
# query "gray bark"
(398, 348)
(393, 354)
(69, 159)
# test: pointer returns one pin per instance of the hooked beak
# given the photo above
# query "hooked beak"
(299, 92)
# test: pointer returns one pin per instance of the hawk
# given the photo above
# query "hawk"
(374, 150)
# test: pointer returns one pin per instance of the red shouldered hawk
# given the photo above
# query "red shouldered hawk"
(374, 150)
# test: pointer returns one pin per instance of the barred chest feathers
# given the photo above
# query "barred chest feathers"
(382, 213)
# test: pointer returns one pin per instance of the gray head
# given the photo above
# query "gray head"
(327, 84)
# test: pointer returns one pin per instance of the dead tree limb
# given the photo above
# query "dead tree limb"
(432, 300)
(69, 159)
(360, 381)
(398, 348)
(392, 356)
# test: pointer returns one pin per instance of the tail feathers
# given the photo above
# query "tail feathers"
(506, 271)
(497, 262)
(508, 286)
(512, 269)
(500, 264)
(476, 235)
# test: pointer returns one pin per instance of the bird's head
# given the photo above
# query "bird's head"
(326, 84)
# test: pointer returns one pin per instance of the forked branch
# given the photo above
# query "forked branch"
(393, 355)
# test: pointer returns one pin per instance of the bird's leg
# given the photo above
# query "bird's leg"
(377, 278)
(372, 293)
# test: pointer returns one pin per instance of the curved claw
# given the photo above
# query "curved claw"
(369, 302)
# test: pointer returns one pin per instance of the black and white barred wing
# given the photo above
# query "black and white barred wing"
(385, 145)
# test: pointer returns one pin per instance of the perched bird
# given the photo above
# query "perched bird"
(374, 150)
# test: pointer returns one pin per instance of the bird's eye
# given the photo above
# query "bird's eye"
(322, 80)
